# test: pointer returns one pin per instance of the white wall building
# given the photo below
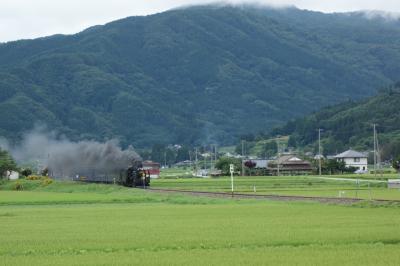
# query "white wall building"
(12, 175)
(354, 159)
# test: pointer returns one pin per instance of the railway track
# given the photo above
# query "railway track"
(269, 197)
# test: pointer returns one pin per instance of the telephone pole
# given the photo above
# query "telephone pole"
(195, 166)
(319, 151)
(190, 159)
(242, 157)
(279, 156)
(377, 154)
(375, 149)
(211, 158)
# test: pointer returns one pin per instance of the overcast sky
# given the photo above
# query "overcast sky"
(23, 19)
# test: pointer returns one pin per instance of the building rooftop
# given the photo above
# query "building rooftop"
(351, 154)
(290, 159)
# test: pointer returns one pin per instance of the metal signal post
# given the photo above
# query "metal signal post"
(232, 170)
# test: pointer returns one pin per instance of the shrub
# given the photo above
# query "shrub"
(18, 186)
(26, 172)
(33, 177)
(36, 177)
(47, 182)
(224, 162)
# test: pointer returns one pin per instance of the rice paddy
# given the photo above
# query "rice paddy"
(66, 223)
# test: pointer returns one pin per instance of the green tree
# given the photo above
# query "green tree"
(396, 163)
(224, 162)
(7, 163)
(333, 166)
(182, 154)
(270, 149)
(26, 172)
(158, 153)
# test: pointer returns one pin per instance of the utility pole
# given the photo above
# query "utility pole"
(195, 166)
(190, 159)
(215, 155)
(319, 151)
(215, 152)
(375, 150)
(265, 151)
(211, 158)
(205, 160)
(279, 155)
(242, 157)
(378, 154)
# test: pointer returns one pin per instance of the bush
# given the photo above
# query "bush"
(26, 172)
(47, 182)
(36, 177)
(18, 186)
(381, 171)
(396, 163)
(224, 162)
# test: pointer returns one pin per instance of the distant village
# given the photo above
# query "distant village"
(286, 163)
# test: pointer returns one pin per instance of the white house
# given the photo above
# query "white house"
(12, 175)
(353, 159)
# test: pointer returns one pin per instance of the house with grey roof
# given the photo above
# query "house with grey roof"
(290, 164)
(354, 159)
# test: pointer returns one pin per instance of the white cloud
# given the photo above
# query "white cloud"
(30, 19)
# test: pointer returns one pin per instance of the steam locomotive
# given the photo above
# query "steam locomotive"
(134, 176)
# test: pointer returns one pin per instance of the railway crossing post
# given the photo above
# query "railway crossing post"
(358, 187)
(232, 170)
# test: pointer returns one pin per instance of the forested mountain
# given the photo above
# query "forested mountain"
(200, 74)
(350, 125)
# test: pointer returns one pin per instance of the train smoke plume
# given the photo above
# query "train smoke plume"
(65, 158)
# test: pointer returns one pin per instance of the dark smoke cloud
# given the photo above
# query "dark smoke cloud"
(65, 158)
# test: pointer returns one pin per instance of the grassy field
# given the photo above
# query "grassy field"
(288, 185)
(175, 172)
(81, 224)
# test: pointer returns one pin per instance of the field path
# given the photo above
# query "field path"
(349, 179)
(268, 197)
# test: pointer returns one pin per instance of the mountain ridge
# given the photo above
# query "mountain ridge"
(193, 75)
(350, 125)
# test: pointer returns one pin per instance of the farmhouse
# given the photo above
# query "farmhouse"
(353, 159)
(260, 166)
(153, 168)
(12, 175)
(260, 163)
(290, 165)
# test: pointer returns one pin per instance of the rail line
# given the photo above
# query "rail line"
(269, 197)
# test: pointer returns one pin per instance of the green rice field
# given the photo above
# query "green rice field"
(327, 186)
(67, 223)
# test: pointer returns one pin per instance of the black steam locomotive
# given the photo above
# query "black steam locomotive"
(134, 176)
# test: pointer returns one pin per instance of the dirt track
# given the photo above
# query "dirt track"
(269, 197)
